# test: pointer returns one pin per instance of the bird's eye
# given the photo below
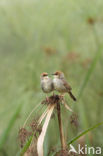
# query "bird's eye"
(56, 74)
(45, 75)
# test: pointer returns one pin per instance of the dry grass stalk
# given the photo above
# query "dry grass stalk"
(44, 129)
(67, 107)
(63, 143)
(43, 115)
(30, 114)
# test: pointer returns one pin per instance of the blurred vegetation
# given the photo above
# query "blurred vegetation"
(38, 36)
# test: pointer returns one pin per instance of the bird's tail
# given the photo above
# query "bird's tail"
(72, 96)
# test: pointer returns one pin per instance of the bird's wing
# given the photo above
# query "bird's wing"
(67, 86)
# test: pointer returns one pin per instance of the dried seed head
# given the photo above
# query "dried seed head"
(91, 20)
(23, 135)
(33, 125)
(53, 100)
(49, 50)
(74, 120)
(72, 56)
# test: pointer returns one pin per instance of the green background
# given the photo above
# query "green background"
(45, 36)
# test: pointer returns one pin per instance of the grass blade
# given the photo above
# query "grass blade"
(26, 146)
(92, 67)
(84, 132)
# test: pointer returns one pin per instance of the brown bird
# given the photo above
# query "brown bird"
(61, 85)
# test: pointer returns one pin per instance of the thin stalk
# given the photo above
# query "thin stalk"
(30, 114)
(63, 143)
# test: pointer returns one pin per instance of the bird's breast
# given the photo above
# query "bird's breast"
(58, 85)
(46, 85)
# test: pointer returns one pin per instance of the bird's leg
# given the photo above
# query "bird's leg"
(47, 98)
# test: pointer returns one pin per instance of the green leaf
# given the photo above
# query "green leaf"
(84, 132)
(26, 146)
(87, 78)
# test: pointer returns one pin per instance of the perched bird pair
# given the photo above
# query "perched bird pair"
(58, 83)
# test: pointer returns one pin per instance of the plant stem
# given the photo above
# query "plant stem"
(63, 143)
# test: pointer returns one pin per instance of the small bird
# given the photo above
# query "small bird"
(46, 83)
(61, 85)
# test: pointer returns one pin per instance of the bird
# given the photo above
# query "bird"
(46, 83)
(61, 85)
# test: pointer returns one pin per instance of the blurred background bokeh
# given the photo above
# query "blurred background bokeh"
(45, 36)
